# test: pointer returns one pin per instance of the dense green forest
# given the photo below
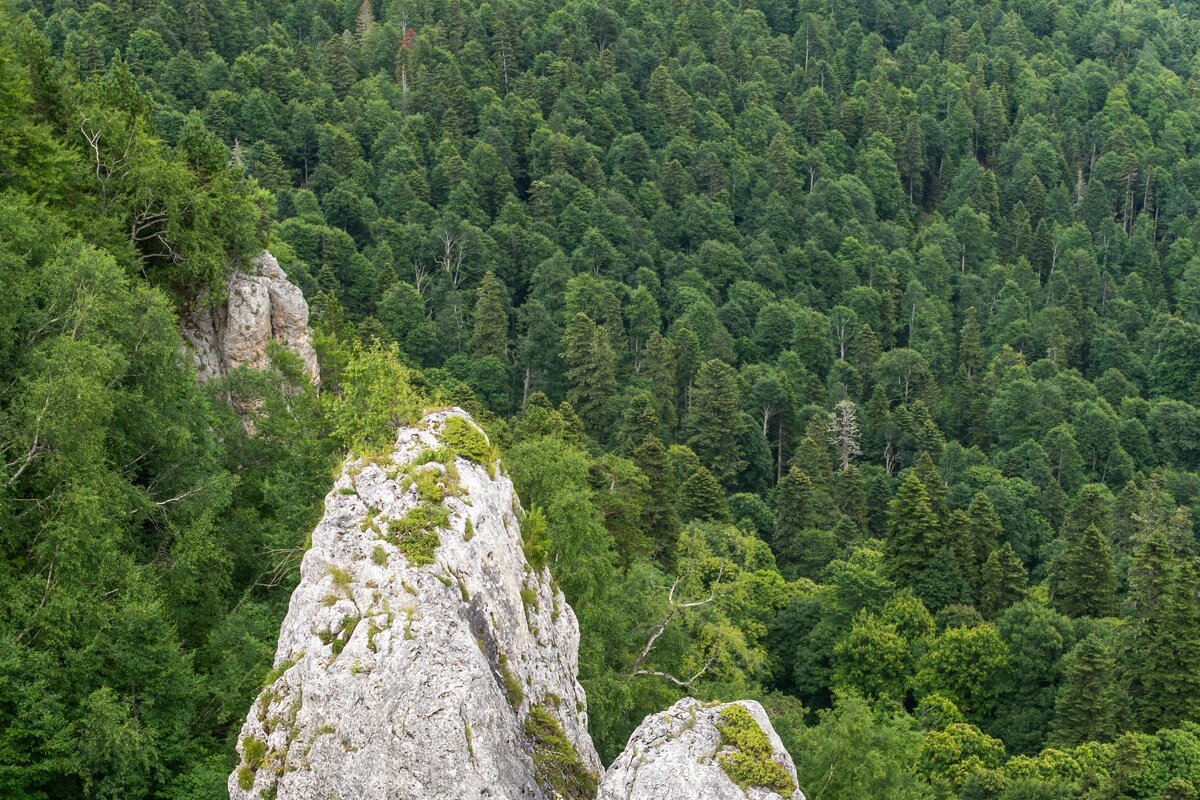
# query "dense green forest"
(877, 323)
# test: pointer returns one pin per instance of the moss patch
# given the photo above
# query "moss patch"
(556, 766)
(750, 761)
(416, 533)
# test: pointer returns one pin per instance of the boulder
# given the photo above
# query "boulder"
(694, 751)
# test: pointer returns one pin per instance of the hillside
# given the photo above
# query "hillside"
(847, 357)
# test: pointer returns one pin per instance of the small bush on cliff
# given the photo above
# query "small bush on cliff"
(465, 440)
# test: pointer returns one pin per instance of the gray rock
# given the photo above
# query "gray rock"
(261, 305)
(397, 680)
(675, 755)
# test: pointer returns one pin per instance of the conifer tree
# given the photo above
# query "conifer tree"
(1004, 581)
(1083, 580)
(589, 371)
(490, 334)
(660, 521)
(703, 498)
(715, 421)
(986, 532)
(1085, 709)
(915, 532)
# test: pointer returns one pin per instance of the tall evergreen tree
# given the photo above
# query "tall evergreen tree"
(490, 334)
(1086, 708)
(1083, 580)
(590, 371)
(715, 421)
(915, 532)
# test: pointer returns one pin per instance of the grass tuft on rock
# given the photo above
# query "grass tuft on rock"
(556, 766)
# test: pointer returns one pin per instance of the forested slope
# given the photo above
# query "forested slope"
(859, 342)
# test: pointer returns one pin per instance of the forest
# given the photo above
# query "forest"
(855, 343)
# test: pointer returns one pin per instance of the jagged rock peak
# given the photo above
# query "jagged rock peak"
(421, 655)
(694, 751)
(261, 305)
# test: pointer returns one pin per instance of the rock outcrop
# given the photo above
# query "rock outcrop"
(261, 305)
(422, 656)
(694, 751)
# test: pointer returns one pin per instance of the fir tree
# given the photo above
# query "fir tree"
(589, 371)
(703, 498)
(715, 421)
(914, 530)
(1004, 581)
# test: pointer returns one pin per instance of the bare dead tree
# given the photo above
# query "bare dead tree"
(453, 255)
(843, 431)
(674, 607)
(421, 276)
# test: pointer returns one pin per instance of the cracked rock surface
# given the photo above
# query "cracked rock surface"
(399, 679)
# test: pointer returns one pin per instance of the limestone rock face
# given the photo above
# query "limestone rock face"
(674, 755)
(262, 305)
(408, 670)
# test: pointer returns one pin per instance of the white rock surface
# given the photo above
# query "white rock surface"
(261, 305)
(415, 703)
(673, 756)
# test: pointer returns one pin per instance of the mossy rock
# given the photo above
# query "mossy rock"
(751, 760)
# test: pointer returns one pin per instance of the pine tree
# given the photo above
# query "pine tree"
(715, 421)
(490, 334)
(590, 373)
(915, 530)
(1083, 580)
(1085, 709)
(1004, 581)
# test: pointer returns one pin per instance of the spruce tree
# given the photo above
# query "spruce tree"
(1085, 709)
(915, 532)
(1083, 581)
(490, 334)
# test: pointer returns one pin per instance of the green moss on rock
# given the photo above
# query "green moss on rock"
(751, 761)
